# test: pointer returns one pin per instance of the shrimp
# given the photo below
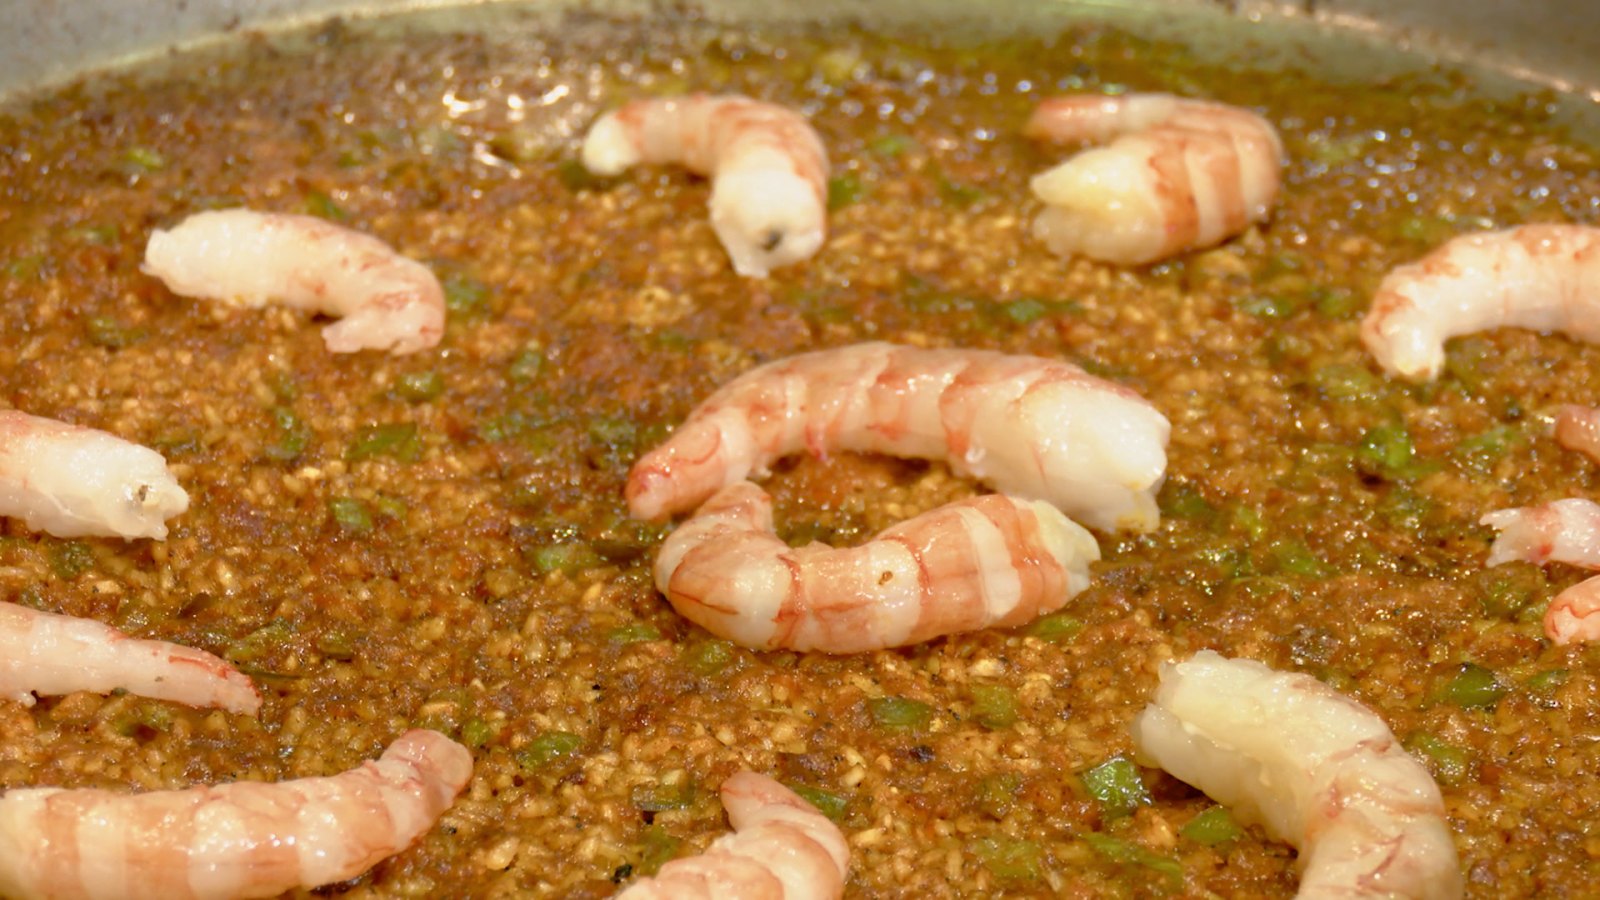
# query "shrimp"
(1181, 174)
(1313, 768)
(1031, 427)
(53, 654)
(768, 169)
(986, 561)
(782, 849)
(1578, 428)
(245, 258)
(1564, 531)
(229, 841)
(1542, 277)
(68, 480)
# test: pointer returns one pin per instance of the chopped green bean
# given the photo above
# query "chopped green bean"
(464, 295)
(709, 658)
(1212, 827)
(898, 713)
(663, 797)
(545, 749)
(1009, 858)
(1117, 785)
(994, 706)
(997, 794)
(419, 387)
(1473, 687)
(107, 332)
(351, 514)
(659, 849)
(844, 190)
(829, 804)
(476, 732)
(1451, 765)
(69, 559)
(396, 439)
(634, 633)
(1055, 628)
(1120, 851)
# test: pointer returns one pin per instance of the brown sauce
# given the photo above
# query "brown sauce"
(440, 539)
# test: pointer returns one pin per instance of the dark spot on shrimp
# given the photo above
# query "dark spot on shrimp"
(772, 240)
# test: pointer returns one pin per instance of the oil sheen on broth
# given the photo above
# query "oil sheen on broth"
(440, 540)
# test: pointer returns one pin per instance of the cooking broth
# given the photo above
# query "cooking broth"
(440, 539)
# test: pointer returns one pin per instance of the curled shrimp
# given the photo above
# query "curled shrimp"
(1313, 768)
(1179, 174)
(68, 480)
(1032, 427)
(986, 561)
(782, 848)
(1542, 277)
(768, 168)
(52, 654)
(387, 302)
(1578, 428)
(1563, 531)
(231, 841)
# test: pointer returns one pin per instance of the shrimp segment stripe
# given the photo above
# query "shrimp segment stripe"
(990, 561)
(1027, 426)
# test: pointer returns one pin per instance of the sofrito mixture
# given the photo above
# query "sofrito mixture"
(440, 537)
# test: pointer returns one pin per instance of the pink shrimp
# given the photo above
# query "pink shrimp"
(1563, 531)
(231, 841)
(1181, 174)
(1313, 768)
(68, 480)
(782, 849)
(1032, 427)
(1542, 277)
(51, 654)
(1578, 428)
(768, 169)
(986, 561)
(245, 258)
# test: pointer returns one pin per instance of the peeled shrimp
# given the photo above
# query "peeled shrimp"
(387, 302)
(1031, 427)
(68, 480)
(230, 841)
(782, 849)
(1578, 428)
(50, 654)
(1564, 531)
(986, 561)
(1313, 768)
(1544, 277)
(1180, 175)
(768, 168)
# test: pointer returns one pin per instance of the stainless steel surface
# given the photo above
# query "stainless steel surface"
(1555, 42)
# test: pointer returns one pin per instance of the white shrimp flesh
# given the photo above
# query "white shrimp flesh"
(1313, 768)
(1037, 428)
(782, 848)
(989, 561)
(1563, 531)
(1543, 277)
(768, 168)
(1179, 174)
(1578, 428)
(230, 841)
(49, 654)
(385, 301)
(69, 481)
